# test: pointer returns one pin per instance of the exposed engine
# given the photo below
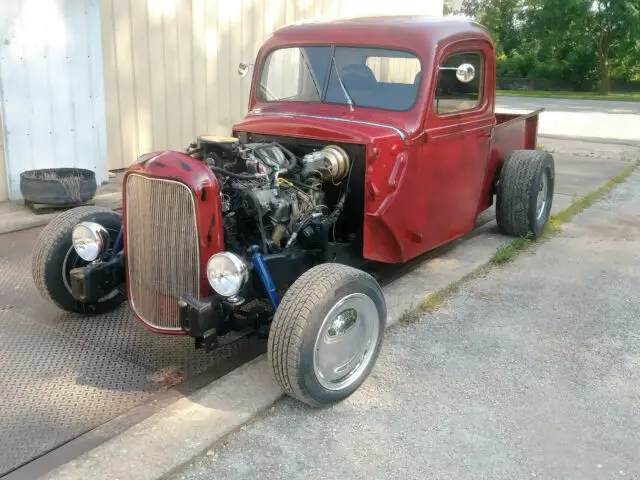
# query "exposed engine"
(272, 197)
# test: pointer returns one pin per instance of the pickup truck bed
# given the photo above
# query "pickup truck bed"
(515, 132)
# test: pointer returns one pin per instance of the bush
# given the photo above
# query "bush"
(574, 69)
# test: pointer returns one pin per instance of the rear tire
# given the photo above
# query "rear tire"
(525, 193)
(54, 257)
(327, 333)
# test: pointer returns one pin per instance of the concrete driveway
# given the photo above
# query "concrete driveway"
(532, 371)
(595, 119)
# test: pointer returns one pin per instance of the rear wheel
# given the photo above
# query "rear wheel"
(525, 193)
(54, 257)
(327, 333)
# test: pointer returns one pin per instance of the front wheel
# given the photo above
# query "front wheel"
(327, 333)
(54, 257)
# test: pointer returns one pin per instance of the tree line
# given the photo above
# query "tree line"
(584, 43)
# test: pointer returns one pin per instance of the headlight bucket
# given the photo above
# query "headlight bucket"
(227, 273)
(90, 240)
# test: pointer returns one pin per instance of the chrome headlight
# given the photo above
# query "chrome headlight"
(227, 273)
(90, 240)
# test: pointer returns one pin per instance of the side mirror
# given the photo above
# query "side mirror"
(465, 73)
(243, 68)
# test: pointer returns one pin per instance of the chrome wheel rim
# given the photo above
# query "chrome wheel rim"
(541, 203)
(346, 342)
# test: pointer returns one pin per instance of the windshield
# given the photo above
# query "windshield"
(370, 77)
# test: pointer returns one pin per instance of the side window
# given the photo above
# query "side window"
(451, 94)
(281, 79)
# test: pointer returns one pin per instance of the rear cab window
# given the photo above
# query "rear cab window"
(402, 70)
(452, 95)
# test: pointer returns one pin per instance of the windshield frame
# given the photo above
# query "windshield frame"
(333, 47)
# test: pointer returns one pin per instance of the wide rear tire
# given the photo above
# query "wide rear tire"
(525, 193)
(327, 333)
(54, 257)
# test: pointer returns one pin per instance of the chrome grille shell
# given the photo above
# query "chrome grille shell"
(162, 249)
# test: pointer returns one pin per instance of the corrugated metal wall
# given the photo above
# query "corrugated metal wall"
(51, 87)
(171, 65)
(4, 191)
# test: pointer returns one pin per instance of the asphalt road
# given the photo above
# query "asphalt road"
(596, 119)
(532, 371)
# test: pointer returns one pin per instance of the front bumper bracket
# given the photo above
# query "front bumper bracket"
(200, 319)
(94, 281)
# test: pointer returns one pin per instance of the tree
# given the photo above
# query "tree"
(502, 18)
(615, 26)
(580, 41)
(606, 28)
(558, 31)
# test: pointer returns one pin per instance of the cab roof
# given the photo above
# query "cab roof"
(418, 33)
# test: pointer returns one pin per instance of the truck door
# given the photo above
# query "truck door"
(458, 126)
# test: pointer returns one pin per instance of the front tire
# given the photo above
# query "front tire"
(54, 257)
(525, 193)
(327, 333)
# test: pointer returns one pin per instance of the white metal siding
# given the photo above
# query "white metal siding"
(171, 65)
(51, 87)
(4, 191)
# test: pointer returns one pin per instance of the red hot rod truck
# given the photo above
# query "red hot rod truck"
(368, 139)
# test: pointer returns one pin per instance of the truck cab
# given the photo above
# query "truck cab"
(419, 97)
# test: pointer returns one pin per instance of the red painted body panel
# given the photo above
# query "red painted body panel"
(206, 188)
(292, 122)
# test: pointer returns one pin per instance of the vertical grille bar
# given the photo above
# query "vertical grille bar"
(163, 258)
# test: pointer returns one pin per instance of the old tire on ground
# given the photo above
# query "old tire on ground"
(525, 193)
(54, 257)
(327, 333)
(58, 186)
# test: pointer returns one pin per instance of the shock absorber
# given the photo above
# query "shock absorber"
(263, 272)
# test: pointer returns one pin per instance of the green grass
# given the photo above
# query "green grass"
(509, 252)
(625, 97)
(433, 301)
